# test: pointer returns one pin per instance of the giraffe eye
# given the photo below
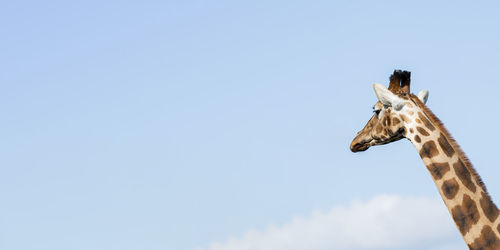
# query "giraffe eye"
(377, 111)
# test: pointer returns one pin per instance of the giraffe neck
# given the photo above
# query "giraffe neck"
(476, 216)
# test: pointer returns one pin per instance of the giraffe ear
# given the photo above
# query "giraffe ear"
(423, 96)
(387, 98)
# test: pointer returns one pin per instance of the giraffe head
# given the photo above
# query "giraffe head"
(390, 121)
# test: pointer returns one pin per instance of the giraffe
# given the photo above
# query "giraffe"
(399, 114)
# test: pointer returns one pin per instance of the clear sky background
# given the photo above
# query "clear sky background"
(180, 125)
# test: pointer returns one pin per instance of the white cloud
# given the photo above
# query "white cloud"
(384, 222)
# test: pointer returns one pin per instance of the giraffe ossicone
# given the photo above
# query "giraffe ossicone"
(387, 98)
(399, 114)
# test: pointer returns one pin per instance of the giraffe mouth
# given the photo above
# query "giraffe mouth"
(362, 143)
(361, 146)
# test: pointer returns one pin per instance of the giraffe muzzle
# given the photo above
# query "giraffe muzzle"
(360, 145)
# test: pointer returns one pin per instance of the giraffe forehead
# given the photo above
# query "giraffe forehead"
(408, 108)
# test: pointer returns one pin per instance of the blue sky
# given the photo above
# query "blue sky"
(182, 124)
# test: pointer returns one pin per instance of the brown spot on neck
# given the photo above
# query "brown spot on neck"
(489, 208)
(465, 215)
(486, 241)
(428, 150)
(464, 175)
(438, 170)
(450, 188)
(426, 121)
(422, 131)
(417, 139)
(445, 145)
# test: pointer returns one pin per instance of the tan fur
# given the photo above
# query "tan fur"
(451, 140)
